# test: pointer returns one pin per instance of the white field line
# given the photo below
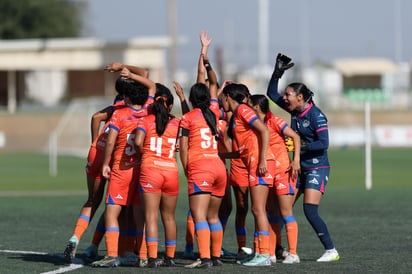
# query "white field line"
(78, 263)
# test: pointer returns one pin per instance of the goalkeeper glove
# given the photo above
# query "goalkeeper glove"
(282, 64)
(289, 144)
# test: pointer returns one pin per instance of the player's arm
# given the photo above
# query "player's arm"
(97, 118)
(322, 133)
(263, 135)
(184, 147)
(283, 63)
(295, 164)
(126, 73)
(108, 150)
(211, 75)
(139, 140)
(179, 92)
(114, 67)
(201, 70)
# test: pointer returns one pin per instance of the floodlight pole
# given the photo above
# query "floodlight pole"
(368, 147)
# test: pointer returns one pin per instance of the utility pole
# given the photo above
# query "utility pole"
(172, 24)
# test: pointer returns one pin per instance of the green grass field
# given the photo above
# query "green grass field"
(371, 229)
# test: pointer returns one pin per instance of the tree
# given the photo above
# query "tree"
(20, 19)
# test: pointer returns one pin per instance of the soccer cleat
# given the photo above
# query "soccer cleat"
(259, 260)
(91, 252)
(152, 263)
(142, 263)
(168, 262)
(107, 261)
(129, 259)
(291, 259)
(216, 261)
(246, 258)
(70, 251)
(226, 254)
(280, 252)
(201, 263)
(273, 259)
(330, 255)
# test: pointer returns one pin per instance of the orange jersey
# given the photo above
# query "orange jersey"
(159, 151)
(100, 141)
(202, 144)
(124, 121)
(243, 133)
(276, 126)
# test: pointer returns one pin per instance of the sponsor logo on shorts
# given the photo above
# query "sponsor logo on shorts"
(149, 185)
(314, 181)
(204, 183)
(281, 186)
(315, 161)
(119, 197)
(269, 176)
(251, 178)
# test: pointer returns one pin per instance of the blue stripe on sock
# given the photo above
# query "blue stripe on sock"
(115, 229)
(264, 233)
(170, 242)
(148, 239)
(215, 227)
(201, 225)
(86, 218)
(289, 219)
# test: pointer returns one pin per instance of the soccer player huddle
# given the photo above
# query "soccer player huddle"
(136, 150)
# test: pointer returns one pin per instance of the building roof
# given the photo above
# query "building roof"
(364, 66)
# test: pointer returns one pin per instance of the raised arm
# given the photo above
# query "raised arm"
(180, 94)
(114, 67)
(126, 73)
(282, 64)
(97, 118)
(201, 70)
(211, 75)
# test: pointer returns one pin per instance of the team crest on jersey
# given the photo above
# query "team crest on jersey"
(305, 123)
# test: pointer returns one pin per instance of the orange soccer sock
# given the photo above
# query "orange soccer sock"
(190, 230)
(291, 232)
(263, 241)
(152, 244)
(274, 234)
(141, 246)
(170, 248)
(203, 239)
(216, 236)
(98, 235)
(81, 226)
(112, 241)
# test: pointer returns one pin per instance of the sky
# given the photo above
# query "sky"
(307, 30)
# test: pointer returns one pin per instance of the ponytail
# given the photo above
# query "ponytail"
(163, 100)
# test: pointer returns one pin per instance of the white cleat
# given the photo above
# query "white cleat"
(330, 255)
(291, 259)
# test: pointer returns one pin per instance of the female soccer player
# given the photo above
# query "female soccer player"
(281, 195)
(198, 153)
(122, 190)
(95, 182)
(252, 139)
(311, 125)
(156, 137)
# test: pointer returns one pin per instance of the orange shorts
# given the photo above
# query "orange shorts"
(160, 181)
(254, 177)
(239, 176)
(207, 176)
(123, 187)
(94, 164)
(284, 184)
